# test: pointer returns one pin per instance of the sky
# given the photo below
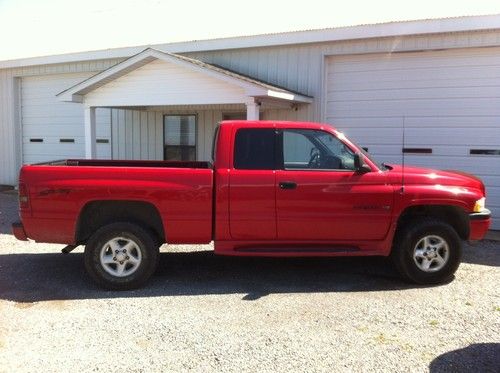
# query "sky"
(30, 28)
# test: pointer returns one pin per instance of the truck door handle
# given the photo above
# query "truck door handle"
(288, 185)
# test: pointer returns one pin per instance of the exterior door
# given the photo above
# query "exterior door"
(319, 196)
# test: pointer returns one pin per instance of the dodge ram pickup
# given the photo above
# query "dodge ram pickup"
(272, 189)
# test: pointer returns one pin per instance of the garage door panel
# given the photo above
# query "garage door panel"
(48, 111)
(389, 140)
(450, 102)
(364, 135)
(58, 121)
(39, 158)
(451, 163)
(102, 117)
(450, 58)
(459, 106)
(455, 122)
(492, 180)
(345, 123)
(414, 93)
(442, 136)
(68, 149)
(406, 73)
(391, 149)
(363, 84)
(45, 117)
(65, 127)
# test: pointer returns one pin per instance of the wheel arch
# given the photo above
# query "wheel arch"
(456, 216)
(98, 213)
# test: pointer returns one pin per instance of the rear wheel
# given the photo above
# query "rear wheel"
(121, 256)
(427, 251)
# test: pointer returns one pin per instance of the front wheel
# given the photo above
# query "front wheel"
(121, 256)
(427, 251)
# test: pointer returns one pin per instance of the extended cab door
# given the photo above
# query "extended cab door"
(252, 180)
(319, 195)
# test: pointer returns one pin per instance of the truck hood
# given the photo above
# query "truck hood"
(427, 176)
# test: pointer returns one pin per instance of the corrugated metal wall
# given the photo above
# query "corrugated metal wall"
(295, 67)
(136, 134)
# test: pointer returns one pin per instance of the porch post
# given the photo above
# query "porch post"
(90, 135)
(253, 110)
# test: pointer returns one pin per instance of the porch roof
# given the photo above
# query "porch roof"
(252, 88)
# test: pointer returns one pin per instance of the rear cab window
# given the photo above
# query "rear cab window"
(255, 149)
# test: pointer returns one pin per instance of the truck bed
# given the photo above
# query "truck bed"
(181, 193)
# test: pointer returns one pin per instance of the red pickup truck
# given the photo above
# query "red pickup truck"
(274, 189)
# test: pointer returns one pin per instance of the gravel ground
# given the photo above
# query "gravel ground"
(204, 313)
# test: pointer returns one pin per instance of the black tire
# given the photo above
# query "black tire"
(143, 249)
(405, 246)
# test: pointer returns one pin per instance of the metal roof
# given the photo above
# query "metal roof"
(391, 29)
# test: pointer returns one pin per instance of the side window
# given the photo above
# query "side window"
(312, 149)
(255, 149)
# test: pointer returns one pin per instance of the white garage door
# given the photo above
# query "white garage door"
(448, 102)
(52, 129)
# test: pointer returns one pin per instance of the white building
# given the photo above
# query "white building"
(437, 79)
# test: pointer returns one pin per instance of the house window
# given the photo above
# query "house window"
(179, 133)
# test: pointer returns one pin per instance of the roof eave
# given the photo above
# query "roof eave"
(393, 29)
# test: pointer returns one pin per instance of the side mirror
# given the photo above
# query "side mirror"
(359, 164)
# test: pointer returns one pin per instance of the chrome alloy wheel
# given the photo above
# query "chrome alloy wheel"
(431, 253)
(120, 256)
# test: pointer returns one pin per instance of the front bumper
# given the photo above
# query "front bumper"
(479, 224)
(18, 231)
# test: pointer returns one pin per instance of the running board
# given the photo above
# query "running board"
(297, 249)
(69, 249)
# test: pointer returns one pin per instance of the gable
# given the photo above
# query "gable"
(164, 83)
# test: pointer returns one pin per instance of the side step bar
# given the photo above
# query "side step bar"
(69, 249)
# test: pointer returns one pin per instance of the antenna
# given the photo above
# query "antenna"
(403, 161)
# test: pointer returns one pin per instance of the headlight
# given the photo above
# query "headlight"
(479, 205)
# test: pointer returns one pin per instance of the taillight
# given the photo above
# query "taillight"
(24, 203)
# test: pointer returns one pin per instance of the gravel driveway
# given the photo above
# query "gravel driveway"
(204, 313)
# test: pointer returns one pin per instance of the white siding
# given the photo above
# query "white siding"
(164, 83)
(139, 134)
(449, 102)
(46, 118)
